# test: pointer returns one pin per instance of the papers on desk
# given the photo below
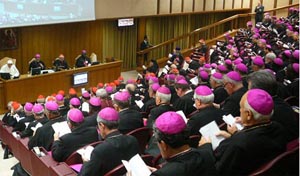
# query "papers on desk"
(230, 120)
(85, 107)
(194, 81)
(61, 127)
(38, 125)
(182, 115)
(86, 152)
(136, 166)
(139, 103)
(209, 131)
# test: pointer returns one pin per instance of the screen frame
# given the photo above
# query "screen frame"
(121, 19)
(77, 74)
(36, 71)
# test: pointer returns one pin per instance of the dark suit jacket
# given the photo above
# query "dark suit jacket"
(220, 94)
(129, 120)
(28, 131)
(109, 154)
(69, 143)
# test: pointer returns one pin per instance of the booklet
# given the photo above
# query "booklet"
(230, 120)
(182, 115)
(209, 131)
(85, 107)
(61, 127)
(86, 152)
(194, 81)
(136, 166)
(139, 103)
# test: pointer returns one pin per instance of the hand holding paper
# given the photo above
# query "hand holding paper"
(209, 131)
(61, 127)
(136, 166)
(230, 120)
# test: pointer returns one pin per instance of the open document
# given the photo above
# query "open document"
(61, 127)
(182, 115)
(86, 152)
(136, 166)
(230, 120)
(209, 131)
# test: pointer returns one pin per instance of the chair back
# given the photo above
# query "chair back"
(287, 163)
(4, 60)
(75, 158)
(117, 171)
(142, 135)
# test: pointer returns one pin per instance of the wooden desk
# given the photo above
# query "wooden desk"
(27, 88)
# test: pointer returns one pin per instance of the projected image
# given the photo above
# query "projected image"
(30, 12)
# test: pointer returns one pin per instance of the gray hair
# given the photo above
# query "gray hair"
(271, 56)
(102, 93)
(165, 98)
(264, 80)
(207, 99)
(130, 87)
(109, 124)
(218, 81)
(256, 115)
(227, 79)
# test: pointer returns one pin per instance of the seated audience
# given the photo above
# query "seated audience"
(116, 147)
(80, 136)
(260, 141)
(216, 83)
(185, 93)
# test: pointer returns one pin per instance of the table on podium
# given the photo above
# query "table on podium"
(27, 87)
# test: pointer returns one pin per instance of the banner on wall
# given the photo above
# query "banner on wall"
(8, 39)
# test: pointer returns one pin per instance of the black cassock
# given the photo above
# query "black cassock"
(44, 135)
(195, 162)
(28, 131)
(68, 143)
(232, 103)
(130, 119)
(248, 149)
(185, 103)
(203, 117)
(109, 154)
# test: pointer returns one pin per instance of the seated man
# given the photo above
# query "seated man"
(260, 141)
(80, 136)
(11, 69)
(83, 60)
(37, 63)
(116, 147)
(43, 136)
(60, 63)
(130, 119)
(207, 113)
(172, 135)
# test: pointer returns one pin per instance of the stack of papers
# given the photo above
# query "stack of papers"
(209, 131)
(230, 120)
(136, 166)
(86, 152)
(61, 128)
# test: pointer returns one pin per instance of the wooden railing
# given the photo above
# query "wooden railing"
(208, 32)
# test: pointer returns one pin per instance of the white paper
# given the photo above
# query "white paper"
(83, 90)
(209, 131)
(182, 115)
(139, 103)
(15, 134)
(136, 166)
(38, 125)
(86, 152)
(167, 67)
(230, 120)
(61, 127)
(85, 107)
(144, 67)
(194, 81)
(26, 124)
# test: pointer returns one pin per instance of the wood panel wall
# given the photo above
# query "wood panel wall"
(51, 40)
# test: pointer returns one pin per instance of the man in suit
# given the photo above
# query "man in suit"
(80, 136)
(144, 45)
(116, 146)
(130, 119)
(207, 113)
(260, 141)
(259, 12)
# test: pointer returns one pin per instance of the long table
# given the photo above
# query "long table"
(27, 87)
